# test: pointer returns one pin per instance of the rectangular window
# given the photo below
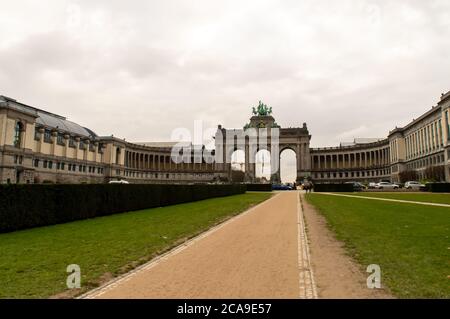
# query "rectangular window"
(50, 164)
(48, 136)
(432, 136)
(37, 134)
(36, 163)
(91, 147)
(62, 166)
(58, 165)
(80, 168)
(60, 140)
(72, 142)
(82, 145)
(447, 122)
(45, 164)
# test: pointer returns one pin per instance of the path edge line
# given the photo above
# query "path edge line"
(387, 199)
(303, 239)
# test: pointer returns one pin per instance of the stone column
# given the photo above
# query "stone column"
(95, 151)
(41, 139)
(54, 140)
(247, 162)
(66, 143)
(86, 150)
(77, 147)
(299, 153)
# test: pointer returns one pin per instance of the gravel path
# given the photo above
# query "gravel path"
(261, 253)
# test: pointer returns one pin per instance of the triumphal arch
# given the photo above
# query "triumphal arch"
(262, 133)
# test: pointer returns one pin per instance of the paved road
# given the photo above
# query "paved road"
(259, 254)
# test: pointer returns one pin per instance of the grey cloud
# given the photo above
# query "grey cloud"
(139, 70)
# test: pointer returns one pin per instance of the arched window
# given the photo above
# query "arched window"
(18, 134)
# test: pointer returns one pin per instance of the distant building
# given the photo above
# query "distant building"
(422, 144)
(37, 146)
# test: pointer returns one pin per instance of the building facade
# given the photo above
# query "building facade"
(424, 143)
(37, 146)
(366, 161)
(41, 147)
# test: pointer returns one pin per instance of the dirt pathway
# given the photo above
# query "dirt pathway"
(259, 254)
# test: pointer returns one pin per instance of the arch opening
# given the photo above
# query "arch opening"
(288, 166)
(238, 166)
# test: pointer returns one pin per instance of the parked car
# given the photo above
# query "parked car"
(372, 185)
(281, 187)
(122, 181)
(414, 185)
(386, 185)
(357, 187)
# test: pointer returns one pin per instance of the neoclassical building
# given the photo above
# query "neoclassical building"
(37, 146)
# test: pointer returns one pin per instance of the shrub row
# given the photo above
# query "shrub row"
(259, 187)
(26, 206)
(333, 187)
(438, 187)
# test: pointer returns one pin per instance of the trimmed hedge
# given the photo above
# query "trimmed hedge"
(438, 187)
(259, 187)
(27, 206)
(333, 188)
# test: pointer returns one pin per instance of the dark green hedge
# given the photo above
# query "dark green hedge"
(26, 206)
(333, 187)
(438, 187)
(259, 187)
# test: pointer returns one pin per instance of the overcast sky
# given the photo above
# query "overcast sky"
(139, 69)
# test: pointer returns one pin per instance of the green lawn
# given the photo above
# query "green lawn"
(410, 242)
(416, 197)
(33, 262)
